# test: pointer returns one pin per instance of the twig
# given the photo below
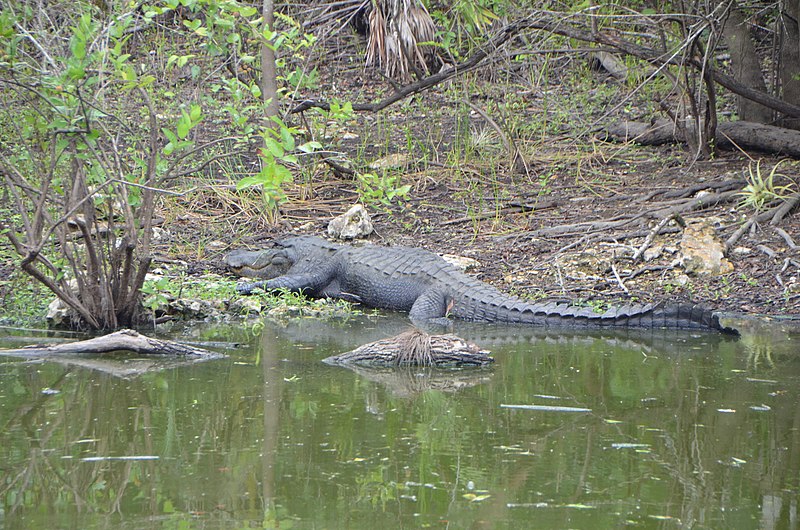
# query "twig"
(649, 239)
(786, 237)
(785, 207)
(619, 280)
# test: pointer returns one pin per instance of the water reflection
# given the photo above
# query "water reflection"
(685, 430)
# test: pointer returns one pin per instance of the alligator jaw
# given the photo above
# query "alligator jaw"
(264, 264)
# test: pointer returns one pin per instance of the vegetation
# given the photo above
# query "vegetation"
(112, 113)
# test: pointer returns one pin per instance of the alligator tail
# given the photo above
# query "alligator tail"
(661, 315)
(667, 315)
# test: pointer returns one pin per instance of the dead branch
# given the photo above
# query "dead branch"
(786, 237)
(736, 134)
(123, 340)
(650, 236)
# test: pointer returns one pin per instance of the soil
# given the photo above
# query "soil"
(568, 229)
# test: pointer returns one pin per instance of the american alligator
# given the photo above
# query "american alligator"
(431, 289)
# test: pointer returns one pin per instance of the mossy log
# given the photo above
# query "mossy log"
(416, 348)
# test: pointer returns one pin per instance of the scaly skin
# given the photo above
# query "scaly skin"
(432, 290)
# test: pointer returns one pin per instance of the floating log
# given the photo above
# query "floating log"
(123, 340)
(416, 348)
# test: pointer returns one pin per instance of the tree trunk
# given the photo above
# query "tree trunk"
(789, 73)
(269, 78)
(746, 67)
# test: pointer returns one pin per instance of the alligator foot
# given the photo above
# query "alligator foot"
(248, 288)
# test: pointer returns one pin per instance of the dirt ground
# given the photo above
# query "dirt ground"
(573, 238)
(567, 228)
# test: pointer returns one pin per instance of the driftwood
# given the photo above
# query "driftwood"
(736, 134)
(123, 340)
(416, 348)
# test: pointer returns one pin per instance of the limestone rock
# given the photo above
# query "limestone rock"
(392, 161)
(352, 224)
(702, 253)
(461, 262)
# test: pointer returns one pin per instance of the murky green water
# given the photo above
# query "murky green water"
(684, 431)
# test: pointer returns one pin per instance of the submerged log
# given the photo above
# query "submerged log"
(123, 340)
(416, 348)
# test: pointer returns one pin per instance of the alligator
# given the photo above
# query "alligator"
(432, 290)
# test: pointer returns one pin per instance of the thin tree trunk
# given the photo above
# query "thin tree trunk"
(746, 67)
(269, 78)
(789, 73)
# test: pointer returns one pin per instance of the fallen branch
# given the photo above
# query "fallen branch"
(123, 340)
(650, 236)
(736, 134)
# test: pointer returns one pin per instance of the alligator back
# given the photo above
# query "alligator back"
(395, 277)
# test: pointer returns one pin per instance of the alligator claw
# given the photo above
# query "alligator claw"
(247, 288)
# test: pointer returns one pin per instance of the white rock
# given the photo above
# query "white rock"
(352, 224)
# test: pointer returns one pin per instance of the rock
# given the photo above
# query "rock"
(702, 253)
(245, 305)
(463, 263)
(653, 253)
(393, 161)
(352, 224)
(58, 314)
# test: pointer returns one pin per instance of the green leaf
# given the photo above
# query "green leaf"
(309, 147)
(249, 182)
(184, 126)
(195, 113)
(170, 135)
(274, 147)
(282, 174)
(287, 139)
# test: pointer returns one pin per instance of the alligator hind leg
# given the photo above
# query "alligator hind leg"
(431, 307)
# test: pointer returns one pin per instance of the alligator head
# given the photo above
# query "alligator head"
(263, 264)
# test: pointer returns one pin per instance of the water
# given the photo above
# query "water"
(684, 430)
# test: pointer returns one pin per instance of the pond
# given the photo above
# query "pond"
(647, 429)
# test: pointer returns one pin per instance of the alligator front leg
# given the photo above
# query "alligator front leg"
(296, 283)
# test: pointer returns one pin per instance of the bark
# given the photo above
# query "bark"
(736, 134)
(789, 73)
(745, 66)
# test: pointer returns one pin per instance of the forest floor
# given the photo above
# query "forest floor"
(572, 224)
(568, 227)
